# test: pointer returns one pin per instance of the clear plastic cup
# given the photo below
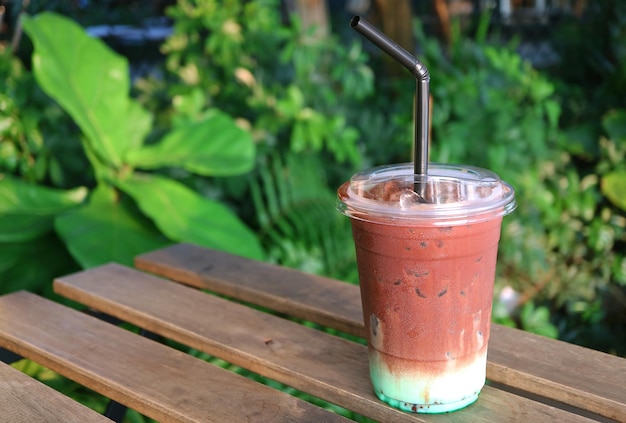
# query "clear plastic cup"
(426, 251)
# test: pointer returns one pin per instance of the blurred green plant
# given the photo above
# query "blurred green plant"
(590, 215)
(588, 212)
(298, 222)
(528, 317)
(612, 166)
(37, 137)
(591, 72)
(299, 96)
(128, 211)
(39, 147)
(297, 91)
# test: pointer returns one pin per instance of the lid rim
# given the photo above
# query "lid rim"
(470, 207)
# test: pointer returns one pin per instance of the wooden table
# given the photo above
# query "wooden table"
(23, 399)
(531, 378)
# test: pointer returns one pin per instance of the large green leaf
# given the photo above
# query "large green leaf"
(183, 215)
(32, 264)
(107, 230)
(18, 228)
(91, 82)
(614, 187)
(27, 210)
(19, 197)
(214, 146)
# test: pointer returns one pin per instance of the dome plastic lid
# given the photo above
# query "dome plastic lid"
(448, 195)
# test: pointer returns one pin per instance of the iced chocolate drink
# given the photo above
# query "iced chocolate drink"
(426, 252)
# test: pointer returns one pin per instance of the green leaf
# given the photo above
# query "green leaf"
(548, 330)
(183, 215)
(16, 228)
(138, 125)
(614, 122)
(31, 265)
(581, 139)
(27, 210)
(300, 227)
(614, 187)
(106, 230)
(19, 197)
(537, 320)
(90, 81)
(553, 111)
(215, 146)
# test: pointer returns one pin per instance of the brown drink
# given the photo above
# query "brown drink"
(426, 269)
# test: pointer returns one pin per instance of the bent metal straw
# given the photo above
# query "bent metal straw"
(406, 59)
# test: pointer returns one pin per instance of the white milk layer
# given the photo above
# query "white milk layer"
(417, 387)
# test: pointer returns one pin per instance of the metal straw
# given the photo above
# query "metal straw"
(406, 59)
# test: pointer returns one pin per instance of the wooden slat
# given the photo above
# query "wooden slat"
(556, 370)
(587, 379)
(310, 297)
(155, 380)
(26, 400)
(317, 363)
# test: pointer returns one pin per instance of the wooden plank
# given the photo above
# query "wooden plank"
(549, 368)
(323, 365)
(310, 297)
(587, 379)
(26, 400)
(158, 381)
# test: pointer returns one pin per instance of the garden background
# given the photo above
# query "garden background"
(230, 124)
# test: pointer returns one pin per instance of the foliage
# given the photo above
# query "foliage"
(591, 81)
(297, 222)
(596, 265)
(591, 72)
(613, 159)
(298, 92)
(37, 137)
(38, 147)
(128, 211)
(529, 317)
(299, 96)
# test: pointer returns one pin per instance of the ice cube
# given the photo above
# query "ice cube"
(409, 198)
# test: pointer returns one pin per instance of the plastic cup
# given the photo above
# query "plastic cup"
(426, 271)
